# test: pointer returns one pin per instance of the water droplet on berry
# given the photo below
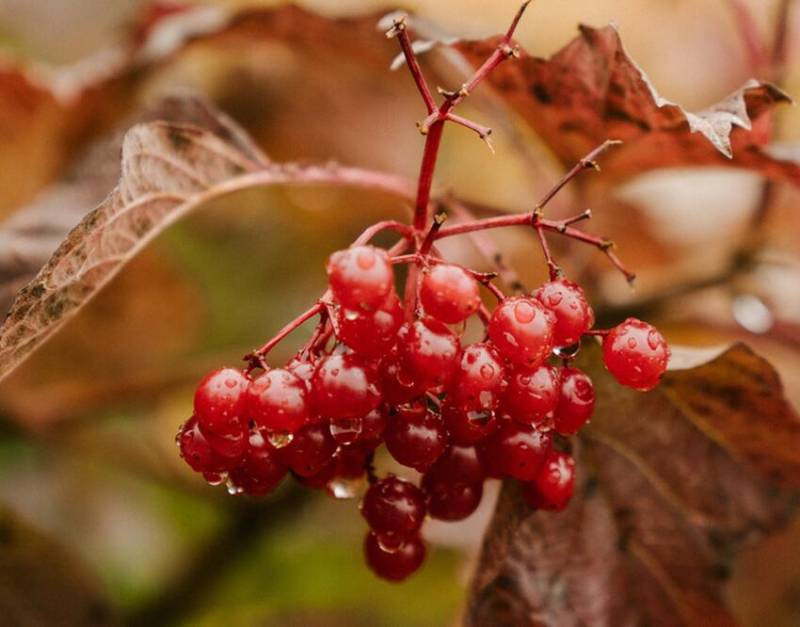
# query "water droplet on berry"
(350, 315)
(487, 371)
(279, 439)
(523, 312)
(344, 488)
(653, 339)
(346, 430)
(335, 372)
(389, 542)
(554, 299)
(365, 259)
(480, 417)
(214, 478)
(631, 342)
(567, 352)
(231, 383)
(232, 488)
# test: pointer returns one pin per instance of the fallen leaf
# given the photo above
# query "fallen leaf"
(672, 484)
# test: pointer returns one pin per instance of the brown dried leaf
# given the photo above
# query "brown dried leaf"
(167, 171)
(672, 484)
(591, 90)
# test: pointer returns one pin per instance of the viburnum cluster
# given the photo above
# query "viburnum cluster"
(383, 368)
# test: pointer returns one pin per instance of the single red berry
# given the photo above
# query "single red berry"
(480, 379)
(575, 401)
(219, 398)
(197, 452)
(361, 277)
(415, 436)
(449, 294)
(278, 401)
(458, 464)
(262, 470)
(532, 395)
(553, 488)
(468, 426)
(231, 440)
(394, 507)
(573, 314)
(636, 354)
(517, 450)
(396, 384)
(311, 448)
(303, 369)
(370, 333)
(451, 501)
(429, 353)
(396, 564)
(344, 386)
(522, 330)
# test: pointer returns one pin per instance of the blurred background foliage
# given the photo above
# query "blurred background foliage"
(87, 454)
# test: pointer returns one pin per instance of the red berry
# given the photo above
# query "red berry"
(344, 386)
(449, 294)
(452, 501)
(429, 353)
(575, 401)
(467, 426)
(197, 452)
(278, 401)
(573, 315)
(361, 277)
(415, 436)
(636, 354)
(230, 441)
(303, 369)
(370, 333)
(555, 484)
(394, 507)
(480, 379)
(311, 448)
(262, 470)
(396, 564)
(532, 396)
(517, 450)
(396, 384)
(522, 330)
(458, 464)
(219, 398)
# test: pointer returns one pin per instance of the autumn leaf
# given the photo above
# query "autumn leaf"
(591, 90)
(167, 170)
(672, 484)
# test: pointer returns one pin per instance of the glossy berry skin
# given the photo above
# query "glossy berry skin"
(396, 384)
(394, 506)
(449, 294)
(229, 441)
(415, 436)
(429, 353)
(454, 484)
(467, 426)
(575, 401)
(218, 398)
(397, 564)
(553, 488)
(311, 448)
(522, 330)
(480, 379)
(278, 401)
(532, 396)
(361, 277)
(261, 470)
(458, 464)
(573, 314)
(344, 386)
(517, 451)
(636, 354)
(197, 452)
(302, 369)
(370, 333)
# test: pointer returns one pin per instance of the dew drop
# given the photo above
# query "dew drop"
(335, 372)
(365, 259)
(232, 488)
(631, 342)
(653, 340)
(231, 383)
(214, 478)
(389, 542)
(487, 371)
(350, 315)
(346, 430)
(567, 352)
(344, 488)
(279, 439)
(554, 299)
(480, 417)
(523, 312)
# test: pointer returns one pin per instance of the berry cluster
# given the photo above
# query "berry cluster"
(455, 413)
(383, 368)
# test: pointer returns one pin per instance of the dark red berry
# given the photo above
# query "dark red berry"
(573, 315)
(449, 294)
(361, 277)
(219, 398)
(394, 507)
(197, 452)
(278, 401)
(262, 470)
(532, 395)
(231, 440)
(636, 354)
(311, 448)
(415, 436)
(370, 333)
(517, 450)
(429, 353)
(575, 401)
(480, 379)
(396, 384)
(344, 386)
(451, 501)
(397, 564)
(458, 464)
(467, 426)
(553, 488)
(522, 330)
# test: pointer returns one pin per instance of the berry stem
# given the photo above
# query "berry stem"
(259, 355)
(399, 30)
(385, 225)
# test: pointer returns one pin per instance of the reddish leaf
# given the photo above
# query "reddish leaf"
(672, 483)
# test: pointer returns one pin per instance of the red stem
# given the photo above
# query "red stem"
(385, 225)
(309, 313)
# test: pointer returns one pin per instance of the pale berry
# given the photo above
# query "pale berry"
(522, 330)
(449, 294)
(636, 354)
(573, 314)
(361, 277)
